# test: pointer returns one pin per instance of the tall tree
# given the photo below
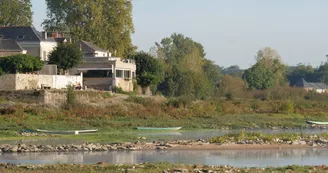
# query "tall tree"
(267, 72)
(15, 12)
(187, 72)
(105, 23)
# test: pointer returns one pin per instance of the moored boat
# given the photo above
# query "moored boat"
(67, 132)
(159, 128)
(317, 122)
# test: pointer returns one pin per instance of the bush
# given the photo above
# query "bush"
(286, 107)
(179, 102)
(71, 97)
(20, 64)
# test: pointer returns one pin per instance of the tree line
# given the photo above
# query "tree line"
(177, 66)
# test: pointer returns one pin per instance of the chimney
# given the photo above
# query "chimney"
(45, 35)
(54, 34)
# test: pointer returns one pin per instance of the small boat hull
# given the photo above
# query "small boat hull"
(159, 128)
(317, 122)
(67, 132)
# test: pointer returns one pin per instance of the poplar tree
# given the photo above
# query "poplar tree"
(15, 13)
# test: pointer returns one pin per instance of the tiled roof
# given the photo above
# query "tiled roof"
(9, 45)
(315, 85)
(90, 46)
(22, 33)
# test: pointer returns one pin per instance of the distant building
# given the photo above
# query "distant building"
(29, 39)
(318, 87)
(103, 72)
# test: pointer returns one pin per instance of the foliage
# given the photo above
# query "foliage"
(231, 86)
(65, 56)
(294, 74)
(70, 96)
(268, 72)
(149, 70)
(233, 70)
(15, 13)
(21, 63)
(187, 72)
(110, 22)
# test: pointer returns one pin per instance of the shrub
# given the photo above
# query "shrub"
(286, 107)
(70, 96)
(179, 102)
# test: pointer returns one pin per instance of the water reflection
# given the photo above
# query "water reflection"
(241, 158)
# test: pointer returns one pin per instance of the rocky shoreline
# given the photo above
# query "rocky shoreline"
(172, 145)
(158, 167)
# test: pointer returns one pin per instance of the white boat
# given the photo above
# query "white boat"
(67, 132)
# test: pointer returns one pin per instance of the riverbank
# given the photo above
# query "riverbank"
(153, 168)
(235, 141)
(123, 113)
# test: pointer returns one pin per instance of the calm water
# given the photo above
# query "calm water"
(164, 136)
(240, 158)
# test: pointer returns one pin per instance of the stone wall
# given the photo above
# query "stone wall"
(7, 82)
(125, 84)
(54, 98)
(35, 81)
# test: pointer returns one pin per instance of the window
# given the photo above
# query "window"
(20, 37)
(98, 74)
(1, 36)
(119, 73)
(127, 74)
(133, 75)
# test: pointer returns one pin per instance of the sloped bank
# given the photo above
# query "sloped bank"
(152, 168)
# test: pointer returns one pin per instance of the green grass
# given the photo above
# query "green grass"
(154, 168)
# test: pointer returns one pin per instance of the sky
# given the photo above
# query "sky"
(232, 31)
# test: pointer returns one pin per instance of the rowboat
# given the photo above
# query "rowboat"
(159, 128)
(317, 122)
(67, 132)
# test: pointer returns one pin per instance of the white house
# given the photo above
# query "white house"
(28, 38)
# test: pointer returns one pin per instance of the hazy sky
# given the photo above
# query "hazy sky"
(232, 31)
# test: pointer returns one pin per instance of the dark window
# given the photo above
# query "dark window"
(1, 36)
(133, 75)
(127, 74)
(98, 74)
(119, 73)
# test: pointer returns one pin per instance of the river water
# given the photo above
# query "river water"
(239, 158)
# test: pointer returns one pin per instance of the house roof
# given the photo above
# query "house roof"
(22, 33)
(315, 85)
(87, 46)
(9, 45)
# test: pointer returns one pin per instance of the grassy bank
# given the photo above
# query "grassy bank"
(123, 115)
(154, 168)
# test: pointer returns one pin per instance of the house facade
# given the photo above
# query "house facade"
(30, 40)
(317, 87)
(105, 72)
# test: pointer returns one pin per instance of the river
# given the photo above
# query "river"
(239, 158)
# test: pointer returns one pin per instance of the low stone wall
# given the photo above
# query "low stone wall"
(51, 97)
(58, 97)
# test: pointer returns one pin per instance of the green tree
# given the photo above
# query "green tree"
(149, 70)
(65, 56)
(268, 71)
(20, 64)
(187, 71)
(15, 12)
(105, 23)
